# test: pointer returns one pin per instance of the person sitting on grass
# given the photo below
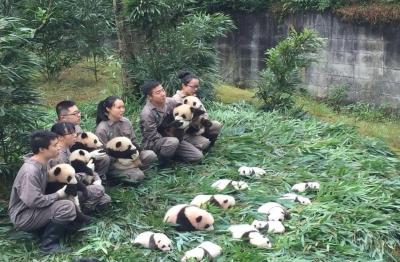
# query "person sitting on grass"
(96, 198)
(111, 123)
(68, 111)
(190, 84)
(157, 107)
(29, 208)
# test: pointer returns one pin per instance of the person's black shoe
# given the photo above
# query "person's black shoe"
(50, 242)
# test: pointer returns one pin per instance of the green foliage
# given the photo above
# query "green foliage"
(365, 111)
(306, 5)
(278, 81)
(354, 216)
(336, 96)
(18, 113)
(233, 5)
(188, 45)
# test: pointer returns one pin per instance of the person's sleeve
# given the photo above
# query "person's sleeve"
(101, 133)
(132, 133)
(31, 194)
(149, 128)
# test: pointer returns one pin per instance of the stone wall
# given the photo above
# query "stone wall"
(365, 57)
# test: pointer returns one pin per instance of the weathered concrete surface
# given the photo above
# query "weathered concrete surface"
(365, 57)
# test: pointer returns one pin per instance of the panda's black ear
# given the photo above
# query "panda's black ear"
(199, 218)
(84, 135)
(118, 144)
(81, 153)
(57, 171)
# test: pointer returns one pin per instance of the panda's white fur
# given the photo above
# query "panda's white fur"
(199, 121)
(251, 171)
(223, 183)
(270, 226)
(183, 114)
(274, 211)
(206, 249)
(301, 187)
(189, 218)
(224, 201)
(79, 160)
(297, 198)
(59, 176)
(125, 152)
(245, 231)
(153, 240)
(88, 141)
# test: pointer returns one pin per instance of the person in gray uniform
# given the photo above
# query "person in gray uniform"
(157, 107)
(190, 84)
(29, 208)
(111, 123)
(96, 198)
(68, 111)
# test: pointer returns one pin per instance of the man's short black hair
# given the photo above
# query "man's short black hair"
(63, 106)
(41, 139)
(148, 86)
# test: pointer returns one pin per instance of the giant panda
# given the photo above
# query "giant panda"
(251, 234)
(124, 151)
(79, 160)
(64, 174)
(221, 184)
(189, 218)
(223, 201)
(199, 122)
(153, 240)
(206, 249)
(175, 124)
(274, 211)
(88, 141)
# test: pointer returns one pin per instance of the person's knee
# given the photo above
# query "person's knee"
(169, 147)
(65, 211)
(136, 174)
(147, 157)
(195, 157)
(95, 191)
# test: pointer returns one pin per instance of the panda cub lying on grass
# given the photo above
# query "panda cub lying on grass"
(274, 211)
(153, 240)
(251, 171)
(251, 234)
(206, 250)
(189, 218)
(224, 183)
(223, 201)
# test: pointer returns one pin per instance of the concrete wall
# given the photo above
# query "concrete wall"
(365, 57)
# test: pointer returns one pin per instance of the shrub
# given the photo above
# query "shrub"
(278, 81)
(336, 96)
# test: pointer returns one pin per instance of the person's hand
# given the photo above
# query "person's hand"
(90, 164)
(61, 192)
(97, 182)
(98, 154)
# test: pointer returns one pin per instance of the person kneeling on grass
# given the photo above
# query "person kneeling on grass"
(111, 123)
(29, 208)
(96, 198)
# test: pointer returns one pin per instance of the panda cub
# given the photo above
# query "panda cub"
(301, 187)
(251, 171)
(221, 184)
(274, 211)
(270, 226)
(250, 234)
(87, 141)
(189, 218)
(125, 153)
(297, 198)
(153, 240)
(79, 160)
(206, 250)
(199, 123)
(223, 201)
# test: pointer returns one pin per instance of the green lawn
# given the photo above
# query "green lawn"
(355, 215)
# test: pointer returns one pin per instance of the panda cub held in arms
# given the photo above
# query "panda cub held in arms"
(79, 160)
(223, 201)
(206, 250)
(189, 218)
(125, 153)
(87, 141)
(199, 123)
(153, 240)
(64, 175)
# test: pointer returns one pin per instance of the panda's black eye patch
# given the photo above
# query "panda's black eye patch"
(185, 101)
(199, 218)
(158, 241)
(130, 146)
(194, 103)
(57, 171)
(175, 114)
(226, 201)
(207, 226)
(184, 116)
(163, 246)
(81, 153)
(118, 144)
(95, 141)
(69, 179)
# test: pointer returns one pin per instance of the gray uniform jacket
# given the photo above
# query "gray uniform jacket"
(151, 118)
(28, 190)
(106, 130)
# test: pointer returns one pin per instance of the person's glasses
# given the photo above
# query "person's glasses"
(76, 113)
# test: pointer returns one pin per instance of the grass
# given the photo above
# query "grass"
(353, 217)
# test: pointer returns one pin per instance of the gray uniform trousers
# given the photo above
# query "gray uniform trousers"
(168, 147)
(61, 211)
(102, 165)
(147, 157)
(202, 142)
(96, 196)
